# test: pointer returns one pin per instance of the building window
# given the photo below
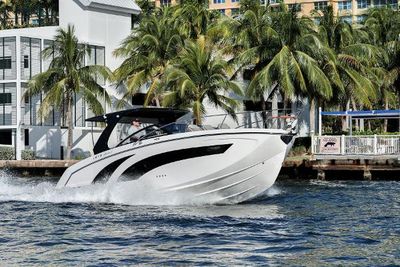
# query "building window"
(235, 11)
(219, 1)
(294, 7)
(5, 98)
(347, 19)
(26, 137)
(31, 62)
(384, 3)
(221, 11)
(6, 137)
(320, 5)
(344, 5)
(165, 2)
(7, 58)
(8, 104)
(26, 62)
(5, 63)
(235, 1)
(361, 19)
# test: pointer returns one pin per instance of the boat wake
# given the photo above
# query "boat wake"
(33, 190)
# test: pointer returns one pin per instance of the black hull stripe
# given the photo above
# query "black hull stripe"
(144, 166)
(104, 174)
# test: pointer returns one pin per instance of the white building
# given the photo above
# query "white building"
(102, 24)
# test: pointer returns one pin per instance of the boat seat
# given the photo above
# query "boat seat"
(194, 128)
(207, 127)
(224, 126)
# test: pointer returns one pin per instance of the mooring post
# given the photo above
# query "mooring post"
(367, 174)
(321, 175)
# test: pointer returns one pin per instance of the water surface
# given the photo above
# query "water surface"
(294, 223)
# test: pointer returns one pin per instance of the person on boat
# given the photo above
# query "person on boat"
(135, 127)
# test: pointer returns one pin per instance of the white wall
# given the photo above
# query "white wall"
(98, 27)
(47, 141)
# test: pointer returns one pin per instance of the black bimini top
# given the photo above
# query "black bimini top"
(157, 116)
(146, 115)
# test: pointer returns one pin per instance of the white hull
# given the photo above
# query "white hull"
(217, 166)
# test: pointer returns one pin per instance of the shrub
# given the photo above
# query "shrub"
(7, 153)
(28, 155)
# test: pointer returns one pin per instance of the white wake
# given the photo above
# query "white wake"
(30, 190)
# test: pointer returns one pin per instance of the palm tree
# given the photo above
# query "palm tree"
(348, 62)
(192, 19)
(198, 75)
(5, 8)
(383, 26)
(247, 41)
(67, 76)
(291, 67)
(147, 52)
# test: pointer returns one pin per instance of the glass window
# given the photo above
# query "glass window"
(219, 1)
(222, 11)
(361, 19)
(320, 5)
(6, 137)
(294, 7)
(165, 2)
(5, 63)
(47, 61)
(5, 98)
(235, 11)
(347, 19)
(344, 5)
(235, 1)
(8, 58)
(26, 62)
(379, 3)
(393, 3)
(8, 104)
(31, 57)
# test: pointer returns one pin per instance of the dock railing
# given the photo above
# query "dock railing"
(355, 145)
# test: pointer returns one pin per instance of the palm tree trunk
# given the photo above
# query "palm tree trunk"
(385, 122)
(197, 113)
(312, 116)
(70, 126)
(354, 105)
(47, 15)
(263, 111)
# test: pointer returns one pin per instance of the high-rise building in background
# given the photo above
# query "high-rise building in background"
(353, 11)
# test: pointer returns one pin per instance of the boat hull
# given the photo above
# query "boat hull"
(221, 166)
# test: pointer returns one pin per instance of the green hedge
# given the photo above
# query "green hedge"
(8, 153)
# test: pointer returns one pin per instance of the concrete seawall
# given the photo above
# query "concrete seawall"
(303, 167)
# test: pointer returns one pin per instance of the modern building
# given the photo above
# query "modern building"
(350, 10)
(102, 24)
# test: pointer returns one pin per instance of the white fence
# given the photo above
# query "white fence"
(355, 145)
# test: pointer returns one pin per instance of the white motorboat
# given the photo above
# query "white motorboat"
(175, 158)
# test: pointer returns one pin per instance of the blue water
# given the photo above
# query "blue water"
(295, 223)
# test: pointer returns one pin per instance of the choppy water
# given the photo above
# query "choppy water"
(295, 223)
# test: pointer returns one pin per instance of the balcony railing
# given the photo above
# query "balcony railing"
(356, 145)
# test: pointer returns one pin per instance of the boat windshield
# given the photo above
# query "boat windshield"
(152, 131)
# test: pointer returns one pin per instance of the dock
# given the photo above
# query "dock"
(338, 167)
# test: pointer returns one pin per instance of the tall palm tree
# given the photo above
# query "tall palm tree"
(291, 67)
(67, 76)
(192, 19)
(247, 41)
(147, 52)
(383, 26)
(351, 58)
(197, 76)
(5, 8)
